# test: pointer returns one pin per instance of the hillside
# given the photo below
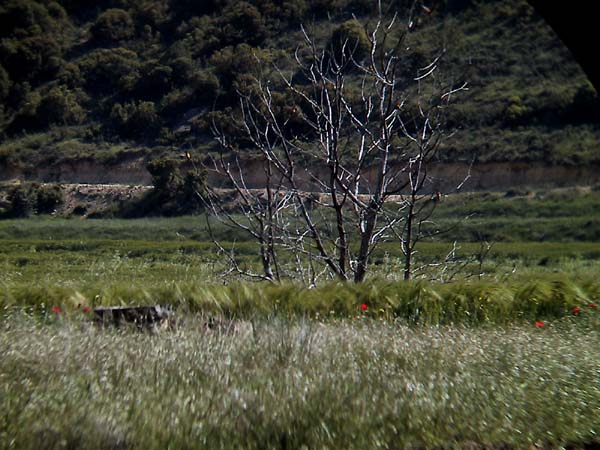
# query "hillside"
(103, 83)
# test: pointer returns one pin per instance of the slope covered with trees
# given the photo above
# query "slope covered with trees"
(82, 79)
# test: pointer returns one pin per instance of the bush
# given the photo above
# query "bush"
(586, 103)
(516, 112)
(113, 25)
(22, 201)
(134, 119)
(4, 83)
(349, 40)
(199, 36)
(48, 199)
(60, 106)
(30, 17)
(155, 14)
(165, 177)
(70, 76)
(324, 7)
(32, 57)
(110, 69)
(233, 64)
(28, 110)
(206, 86)
(32, 198)
(194, 183)
(456, 6)
(187, 8)
(242, 22)
(172, 194)
(222, 120)
(30, 38)
(182, 68)
(155, 81)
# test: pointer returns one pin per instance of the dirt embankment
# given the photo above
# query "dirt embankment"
(129, 171)
(444, 176)
(89, 187)
(86, 199)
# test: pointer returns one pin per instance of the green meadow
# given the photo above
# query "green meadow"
(495, 348)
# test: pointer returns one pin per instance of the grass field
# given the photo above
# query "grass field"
(531, 233)
(501, 355)
(552, 215)
(518, 282)
(360, 384)
(52, 261)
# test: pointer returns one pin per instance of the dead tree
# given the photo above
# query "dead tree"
(258, 212)
(372, 135)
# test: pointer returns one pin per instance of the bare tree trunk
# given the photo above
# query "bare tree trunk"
(365, 243)
(407, 242)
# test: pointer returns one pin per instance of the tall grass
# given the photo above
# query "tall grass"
(302, 384)
(418, 303)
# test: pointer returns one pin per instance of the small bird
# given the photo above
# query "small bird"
(427, 9)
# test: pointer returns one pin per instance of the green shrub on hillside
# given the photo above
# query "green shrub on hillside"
(60, 106)
(32, 57)
(237, 66)
(32, 43)
(22, 202)
(184, 55)
(49, 197)
(155, 80)
(105, 70)
(5, 83)
(349, 41)
(138, 119)
(173, 193)
(242, 22)
(519, 113)
(27, 199)
(113, 25)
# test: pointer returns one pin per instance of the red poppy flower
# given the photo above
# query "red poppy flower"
(576, 310)
(592, 305)
(86, 309)
(364, 307)
(539, 323)
(56, 309)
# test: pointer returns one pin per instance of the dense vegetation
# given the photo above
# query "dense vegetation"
(515, 249)
(357, 384)
(101, 79)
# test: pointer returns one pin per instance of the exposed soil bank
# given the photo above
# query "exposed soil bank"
(445, 177)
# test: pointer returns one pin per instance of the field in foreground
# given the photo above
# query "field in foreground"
(275, 384)
(503, 356)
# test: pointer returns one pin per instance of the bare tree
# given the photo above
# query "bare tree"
(258, 212)
(371, 134)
